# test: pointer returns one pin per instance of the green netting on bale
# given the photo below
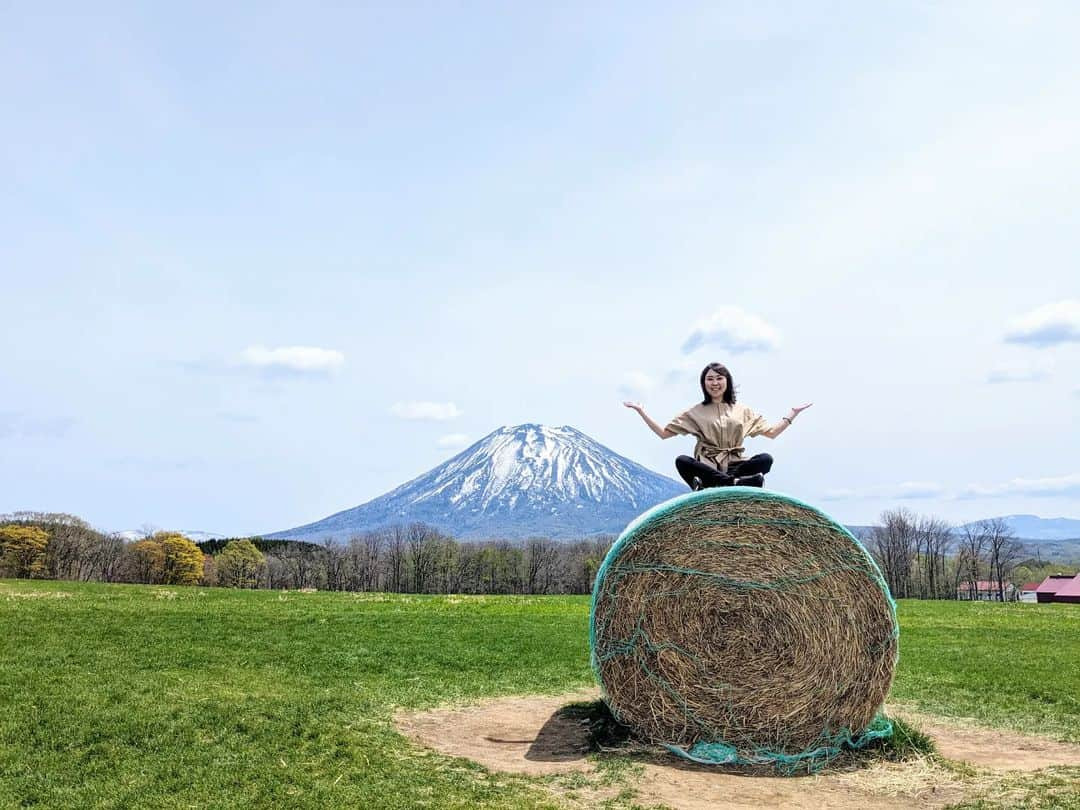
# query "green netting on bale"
(742, 626)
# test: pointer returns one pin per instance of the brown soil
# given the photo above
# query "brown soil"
(526, 735)
(965, 741)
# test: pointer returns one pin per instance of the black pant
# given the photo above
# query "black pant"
(691, 468)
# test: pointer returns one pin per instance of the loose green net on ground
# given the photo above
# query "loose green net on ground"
(740, 626)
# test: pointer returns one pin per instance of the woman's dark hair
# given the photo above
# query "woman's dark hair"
(729, 392)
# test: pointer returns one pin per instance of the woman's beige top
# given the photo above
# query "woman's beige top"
(720, 429)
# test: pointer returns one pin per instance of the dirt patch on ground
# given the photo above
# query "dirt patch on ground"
(965, 741)
(517, 735)
(528, 735)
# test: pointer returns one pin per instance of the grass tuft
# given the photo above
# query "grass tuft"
(907, 742)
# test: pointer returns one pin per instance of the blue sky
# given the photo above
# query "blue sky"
(263, 263)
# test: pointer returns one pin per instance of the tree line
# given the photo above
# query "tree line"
(923, 557)
(51, 545)
(417, 558)
(919, 556)
(412, 558)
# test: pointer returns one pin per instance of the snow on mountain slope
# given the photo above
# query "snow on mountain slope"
(521, 481)
(131, 535)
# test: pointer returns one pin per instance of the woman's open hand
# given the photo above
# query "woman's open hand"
(635, 406)
(800, 408)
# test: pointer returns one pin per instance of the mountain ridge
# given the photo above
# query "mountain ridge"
(1033, 527)
(518, 481)
(533, 480)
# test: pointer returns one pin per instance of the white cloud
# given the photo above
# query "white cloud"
(1062, 485)
(636, 383)
(453, 440)
(917, 489)
(1048, 325)
(1024, 372)
(296, 359)
(908, 490)
(734, 330)
(426, 411)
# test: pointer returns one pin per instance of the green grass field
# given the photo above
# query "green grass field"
(137, 696)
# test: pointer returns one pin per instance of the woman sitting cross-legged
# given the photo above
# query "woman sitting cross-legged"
(720, 425)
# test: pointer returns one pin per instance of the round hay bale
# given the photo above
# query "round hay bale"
(742, 626)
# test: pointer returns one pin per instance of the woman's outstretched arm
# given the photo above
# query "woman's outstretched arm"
(785, 421)
(663, 433)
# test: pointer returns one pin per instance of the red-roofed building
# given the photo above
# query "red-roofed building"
(1059, 588)
(1070, 592)
(1027, 592)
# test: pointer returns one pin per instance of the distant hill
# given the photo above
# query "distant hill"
(1032, 527)
(521, 481)
(1058, 550)
(1044, 538)
(532, 480)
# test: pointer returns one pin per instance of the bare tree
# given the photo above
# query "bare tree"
(582, 562)
(541, 554)
(893, 545)
(423, 548)
(934, 543)
(302, 569)
(473, 557)
(373, 548)
(970, 562)
(450, 569)
(276, 573)
(363, 561)
(110, 557)
(335, 563)
(1003, 551)
(396, 560)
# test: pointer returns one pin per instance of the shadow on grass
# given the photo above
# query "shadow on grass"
(578, 730)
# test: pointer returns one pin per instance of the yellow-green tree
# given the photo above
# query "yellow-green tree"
(183, 562)
(22, 550)
(239, 565)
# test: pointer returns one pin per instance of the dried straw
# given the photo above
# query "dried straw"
(741, 626)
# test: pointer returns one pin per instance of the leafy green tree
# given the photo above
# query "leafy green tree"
(22, 550)
(1034, 570)
(239, 565)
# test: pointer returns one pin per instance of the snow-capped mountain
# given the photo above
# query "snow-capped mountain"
(197, 537)
(522, 481)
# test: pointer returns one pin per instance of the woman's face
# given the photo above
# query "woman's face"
(716, 385)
